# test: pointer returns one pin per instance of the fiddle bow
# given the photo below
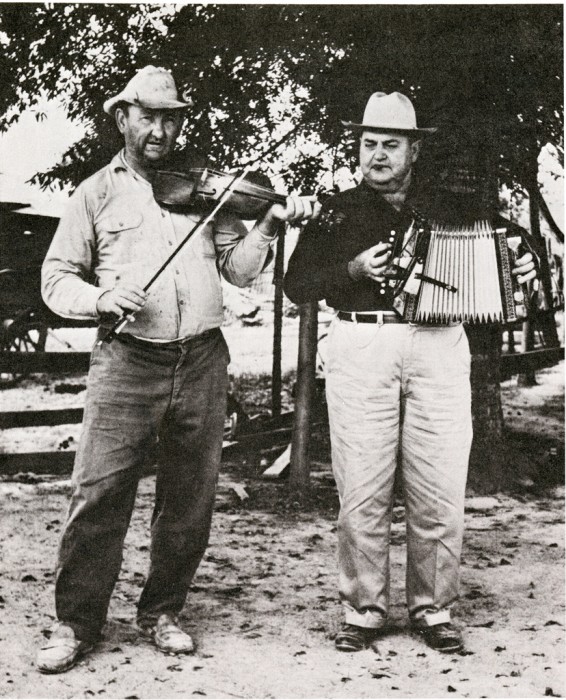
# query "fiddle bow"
(229, 189)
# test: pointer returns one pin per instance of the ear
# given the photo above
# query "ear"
(415, 150)
(120, 117)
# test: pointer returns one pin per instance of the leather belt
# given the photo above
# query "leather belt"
(129, 339)
(379, 317)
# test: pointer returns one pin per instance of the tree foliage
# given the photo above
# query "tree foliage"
(492, 74)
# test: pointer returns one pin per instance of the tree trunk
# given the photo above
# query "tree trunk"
(488, 469)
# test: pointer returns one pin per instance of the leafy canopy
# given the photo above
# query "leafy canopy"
(487, 74)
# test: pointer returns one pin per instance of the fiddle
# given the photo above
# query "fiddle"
(202, 188)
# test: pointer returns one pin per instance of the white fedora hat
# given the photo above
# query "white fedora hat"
(393, 112)
(152, 88)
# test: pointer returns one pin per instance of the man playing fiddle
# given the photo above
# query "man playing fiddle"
(395, 391)
(163, 381)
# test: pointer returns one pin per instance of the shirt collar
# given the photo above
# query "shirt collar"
(376, 197)
(119, 163)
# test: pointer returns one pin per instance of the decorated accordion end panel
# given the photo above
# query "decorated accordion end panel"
(445, 274)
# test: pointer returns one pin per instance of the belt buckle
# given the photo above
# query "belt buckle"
(379, 315)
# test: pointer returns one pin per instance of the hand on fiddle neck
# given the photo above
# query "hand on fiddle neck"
(296, 209)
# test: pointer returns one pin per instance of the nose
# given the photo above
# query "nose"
(157, 128)
(379, 153)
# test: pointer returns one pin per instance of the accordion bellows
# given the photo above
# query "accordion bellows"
(476, 263)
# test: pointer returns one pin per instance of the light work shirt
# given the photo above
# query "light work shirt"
(113, 232)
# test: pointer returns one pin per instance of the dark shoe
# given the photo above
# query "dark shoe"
(62, 651)
(354, 638)
(443, 637)
(167, 635)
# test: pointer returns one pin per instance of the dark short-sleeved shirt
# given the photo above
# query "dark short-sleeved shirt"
(353, 221)
(350, 222)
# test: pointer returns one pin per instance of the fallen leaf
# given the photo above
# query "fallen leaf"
(500, 649)
(446, 670)
(451, 689)
(552, 622)
(28, 577)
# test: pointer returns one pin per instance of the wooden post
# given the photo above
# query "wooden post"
(278, 272)
(299, 482)
(545, 320)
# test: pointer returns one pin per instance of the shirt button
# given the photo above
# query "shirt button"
(177, 272)
(382, 291)
(170, 242)
(181, 302)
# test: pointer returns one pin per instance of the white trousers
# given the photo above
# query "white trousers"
(399, 394)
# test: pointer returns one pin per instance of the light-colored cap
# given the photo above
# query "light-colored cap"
(152, 88)
(389, 112)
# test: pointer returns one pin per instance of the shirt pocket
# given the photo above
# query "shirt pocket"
(118, 223)
(121, 238)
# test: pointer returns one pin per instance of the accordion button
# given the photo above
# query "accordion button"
(518, 296)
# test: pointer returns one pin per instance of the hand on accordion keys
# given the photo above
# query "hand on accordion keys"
(370, 263)
(525, 269)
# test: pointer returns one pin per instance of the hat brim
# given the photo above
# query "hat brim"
(388, 129)
(112, 103)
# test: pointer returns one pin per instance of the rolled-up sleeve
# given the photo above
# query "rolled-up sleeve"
(66, 277)
(241, 255)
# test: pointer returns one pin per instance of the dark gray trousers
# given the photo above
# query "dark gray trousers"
(139, 395)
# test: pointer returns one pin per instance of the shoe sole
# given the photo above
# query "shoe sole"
(149, 635)
(73, 661)
(443, 650)
(348, 647)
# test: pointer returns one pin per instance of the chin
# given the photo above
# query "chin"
(155, 157)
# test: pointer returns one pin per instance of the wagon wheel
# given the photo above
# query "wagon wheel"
(26, 332)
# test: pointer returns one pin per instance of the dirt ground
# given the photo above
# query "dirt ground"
(264, 607)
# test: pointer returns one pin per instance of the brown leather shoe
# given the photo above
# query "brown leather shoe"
(62, 651)
(443, 637)
(354, 638)
(167, 635)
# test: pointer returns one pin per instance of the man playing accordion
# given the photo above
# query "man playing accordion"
(397, 392)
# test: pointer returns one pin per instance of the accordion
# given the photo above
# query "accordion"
(458, 274)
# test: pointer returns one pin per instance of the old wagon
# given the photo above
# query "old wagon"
(25, 235)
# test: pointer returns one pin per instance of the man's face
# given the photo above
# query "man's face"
(386, 159)
(149, 134)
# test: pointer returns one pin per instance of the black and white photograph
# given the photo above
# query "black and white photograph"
(281, 350)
